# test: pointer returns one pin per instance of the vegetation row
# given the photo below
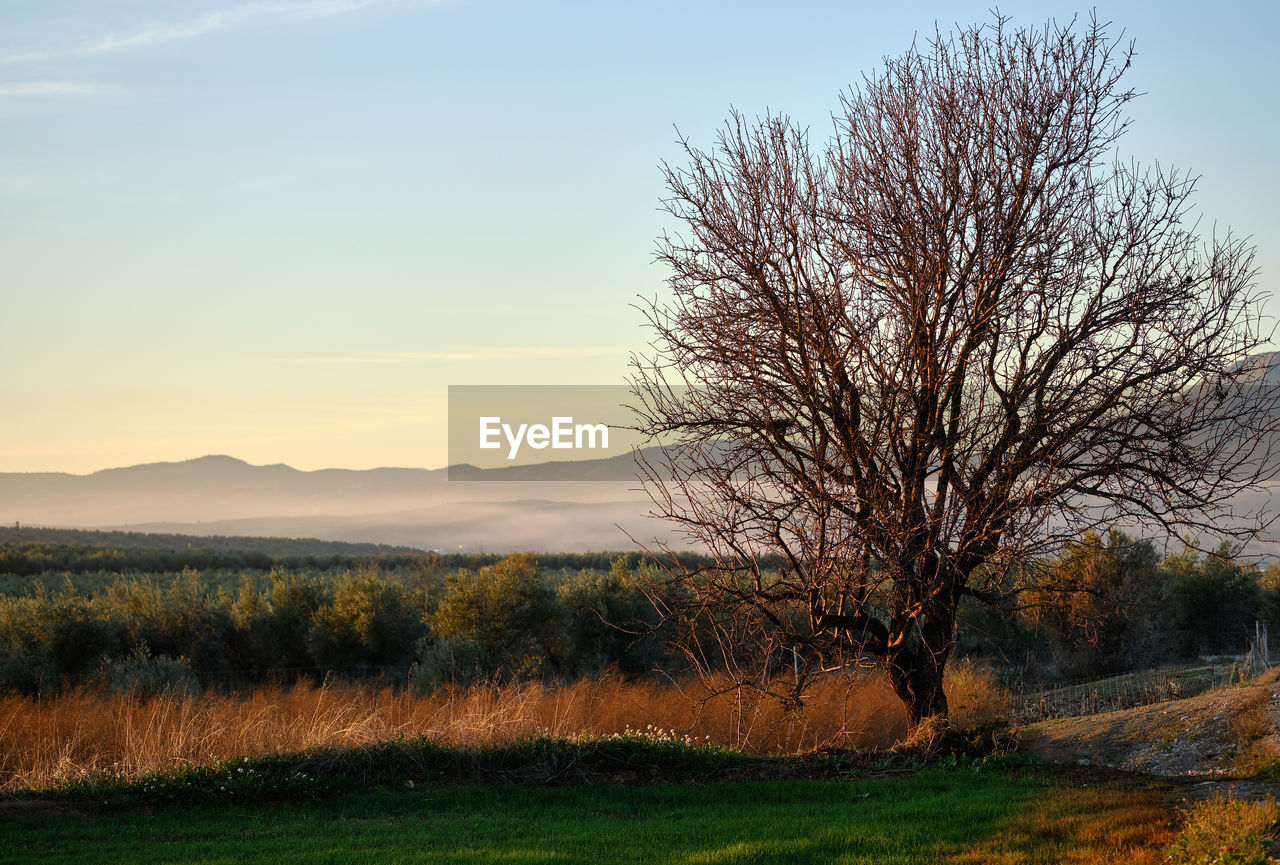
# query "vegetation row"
(1122, 607)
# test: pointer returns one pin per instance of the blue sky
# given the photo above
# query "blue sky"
(281, 229)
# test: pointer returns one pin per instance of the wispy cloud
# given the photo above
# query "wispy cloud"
(42, 184)
(244, 15)
(49, 88)
(474, 354)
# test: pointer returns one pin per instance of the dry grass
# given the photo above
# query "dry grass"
(1253, 717)
(1252, 731)
(1086, 824)
(70, 735)
(1226, 831)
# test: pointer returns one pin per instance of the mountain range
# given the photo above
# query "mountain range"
(580, 506)
(461, 508)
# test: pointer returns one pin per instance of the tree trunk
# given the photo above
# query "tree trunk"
(916, 678)
(916, 672)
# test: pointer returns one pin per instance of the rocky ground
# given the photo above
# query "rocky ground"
(1217, 742)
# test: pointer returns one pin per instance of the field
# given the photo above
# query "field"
(932, 817)
(46, 740)
(164, 726)
(528, 773)
(531, 773)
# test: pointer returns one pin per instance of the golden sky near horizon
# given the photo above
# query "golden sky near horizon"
(280, 229)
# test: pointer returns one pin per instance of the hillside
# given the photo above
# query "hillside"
(498, 510)
(272, 546)
(1226, 730)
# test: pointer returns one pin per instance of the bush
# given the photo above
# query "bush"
(144, 675)
(250, 646)
(510, 611)
(1226, 832)
(180, 620)
(369, 626)
(459, 658)
(46, 639)
(609, 622)
(295, 598)
(21, 671)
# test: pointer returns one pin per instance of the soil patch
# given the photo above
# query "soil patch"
(1198, 736)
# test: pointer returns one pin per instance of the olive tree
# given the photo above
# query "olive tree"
(908, 362)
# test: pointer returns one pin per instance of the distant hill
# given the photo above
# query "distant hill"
(549, 507)
(276, 547)
(210, 487)
(517, 508)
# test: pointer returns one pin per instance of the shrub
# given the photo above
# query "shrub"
(369, 625)
(1226, 832)
(295, 598)
(180, 620)
(48, 638)
(143, 675)
(250, 648)
(510, 611)
(609, 622)
(458, 658)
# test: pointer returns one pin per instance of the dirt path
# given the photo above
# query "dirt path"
(1222, 731)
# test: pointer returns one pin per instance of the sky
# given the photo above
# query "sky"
(280, 229)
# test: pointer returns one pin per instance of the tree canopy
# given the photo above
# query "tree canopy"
(959, 332)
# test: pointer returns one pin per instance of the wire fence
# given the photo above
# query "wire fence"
(1142, 688)
(1109, 694)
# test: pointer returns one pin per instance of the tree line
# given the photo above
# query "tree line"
(52, 556)
(508, 618)
(273, 546)
(1119, 605)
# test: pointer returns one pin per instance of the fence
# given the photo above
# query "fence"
(1124, 692)
(1068, 699)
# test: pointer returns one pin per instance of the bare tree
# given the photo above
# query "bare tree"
(932, 349)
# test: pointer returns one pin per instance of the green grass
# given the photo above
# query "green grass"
(934, 816)
(806, 821)
(623, 798)
(326, 772)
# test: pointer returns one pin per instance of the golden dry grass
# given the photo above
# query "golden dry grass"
(1253, 732)
(46, 739)
(1252, 720)
(1091, 824)
(1223, 830)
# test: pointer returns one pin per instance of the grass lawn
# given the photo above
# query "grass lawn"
(955, 815)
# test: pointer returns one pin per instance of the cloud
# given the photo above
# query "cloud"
(33, 183)
(239, 16)
(48, 88)
(476, 354)
(244, 15)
